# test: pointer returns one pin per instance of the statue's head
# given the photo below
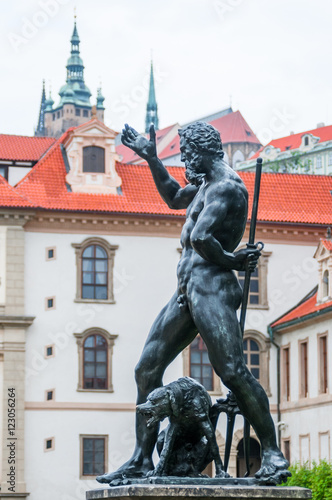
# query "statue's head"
(197, 142)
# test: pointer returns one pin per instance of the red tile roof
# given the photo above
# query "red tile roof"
(294, 141)
(305, 308)
(284, 197)
(232, 127)
(9, 197)
(21, 148)
(327, 244)
(128, 156)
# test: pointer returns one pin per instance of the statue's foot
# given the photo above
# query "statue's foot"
(223, 474)
(274, 468)
(128, 470)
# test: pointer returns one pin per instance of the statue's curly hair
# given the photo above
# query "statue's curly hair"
(204, 136)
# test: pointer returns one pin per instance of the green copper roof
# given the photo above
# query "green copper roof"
(75, 91)
(151, 107)
(100, 99)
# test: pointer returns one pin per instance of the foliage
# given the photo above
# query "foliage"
(296, 163)
(317, 477)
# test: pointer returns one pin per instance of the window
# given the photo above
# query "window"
(256, 352)
(330, 159)
(94, 273)
(200, 366)
(77, 112)
(285, 360)
(53, 116)
(258, 283)
(286, 448)
(85, 113)
(49, 303)
(251, 356)
(50, 253)
(95, 262)
(254, 285)
(58, 114)
(322, 364)
(95, 350)
(306, 141)
(49, 444)
(95, 362)
(49, 351)
(93, 455)
(4, 172)
(49, 395)
(94, 159)
(319, 162)
(326, 284)
(303, 348)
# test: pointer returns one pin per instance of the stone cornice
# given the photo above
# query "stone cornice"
(162, 225)
(15, 217)
(16, 321)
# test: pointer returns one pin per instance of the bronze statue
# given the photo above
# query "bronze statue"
(208, 293)
(189, 442)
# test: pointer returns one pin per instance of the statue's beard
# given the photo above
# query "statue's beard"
(191, 173)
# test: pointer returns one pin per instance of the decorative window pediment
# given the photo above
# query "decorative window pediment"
(323, 255)
(91, 157)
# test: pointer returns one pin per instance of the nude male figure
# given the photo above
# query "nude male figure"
(208, 294)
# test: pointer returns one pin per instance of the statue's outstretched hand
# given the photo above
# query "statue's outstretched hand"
(145, 148)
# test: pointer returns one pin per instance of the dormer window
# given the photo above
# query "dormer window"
(94, 159)
(326, 284)
(306, 141)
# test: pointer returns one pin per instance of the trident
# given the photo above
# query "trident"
(229, 405)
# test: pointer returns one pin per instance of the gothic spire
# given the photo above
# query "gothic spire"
(151, 107)
(40, 130)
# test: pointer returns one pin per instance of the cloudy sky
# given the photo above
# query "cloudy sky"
(270, 58)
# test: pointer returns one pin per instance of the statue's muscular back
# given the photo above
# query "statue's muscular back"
(231, 193)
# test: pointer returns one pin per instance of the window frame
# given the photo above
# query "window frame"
(110, 250)
(92, 436)
(95, 362)
(285, 387)
(303, 368)
(264, 345)
(80, 339)
(262, 268)
(323, 378)
(217, 388)
(202, 363)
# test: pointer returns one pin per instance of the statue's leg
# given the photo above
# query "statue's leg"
(171, 332)
(216, 320)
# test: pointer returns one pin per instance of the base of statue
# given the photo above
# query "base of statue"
(152, 490)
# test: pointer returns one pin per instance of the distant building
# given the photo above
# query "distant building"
(238, 139)
(308, 152)
(74, 107)
(304, 335)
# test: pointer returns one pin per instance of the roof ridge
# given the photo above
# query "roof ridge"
(302, 301)
(44, 157)
(5, 183)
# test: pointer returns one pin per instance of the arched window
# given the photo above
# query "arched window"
(95, 362)
(254, 455)
(93, 157)
(94, 273)
(252, 356)
(95, 350)
(94, 261)
(200, 366)
(326, 283)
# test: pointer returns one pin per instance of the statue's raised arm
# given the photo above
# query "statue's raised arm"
(169, 189)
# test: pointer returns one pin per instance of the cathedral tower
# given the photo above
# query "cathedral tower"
(151, 107)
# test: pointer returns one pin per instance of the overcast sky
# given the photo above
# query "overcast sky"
(270, 58)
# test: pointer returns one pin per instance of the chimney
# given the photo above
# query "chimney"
(320, 124)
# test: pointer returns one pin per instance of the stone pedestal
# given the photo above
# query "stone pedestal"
(198, 492)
